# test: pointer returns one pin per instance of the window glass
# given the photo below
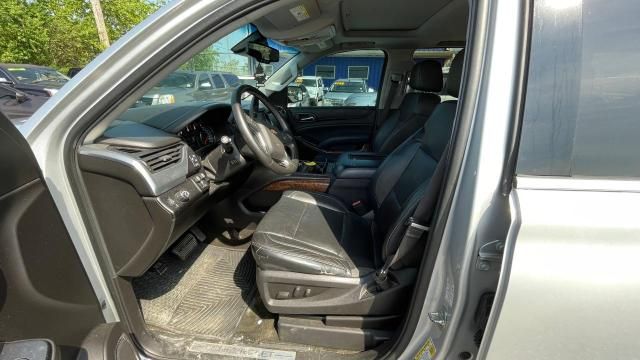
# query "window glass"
(217, 81)
(351, 78)
(358, 72)
(204, 82)
(326, 71)
(232, 79)
(179, 79)
(184, 86)
(583, 87)
(37, 75)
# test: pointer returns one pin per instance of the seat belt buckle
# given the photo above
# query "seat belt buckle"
(382, 279)
(359, 207)
(414, 229)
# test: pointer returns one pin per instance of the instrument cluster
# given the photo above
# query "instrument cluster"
(199, 136)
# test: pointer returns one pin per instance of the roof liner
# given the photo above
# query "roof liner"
(377, 23)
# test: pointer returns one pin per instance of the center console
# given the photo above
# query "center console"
(314, 167)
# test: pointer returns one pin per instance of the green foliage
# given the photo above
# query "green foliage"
(62, 33)
(206, 60)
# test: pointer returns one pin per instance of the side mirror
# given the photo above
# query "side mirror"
(21, 97)
(205, 86)
(5, 81)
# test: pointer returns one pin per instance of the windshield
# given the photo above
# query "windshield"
(178, 80)
(27, 75)
(213, 74)
(308, 82)
(348, 87)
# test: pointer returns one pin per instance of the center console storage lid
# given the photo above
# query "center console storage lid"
(357, 165)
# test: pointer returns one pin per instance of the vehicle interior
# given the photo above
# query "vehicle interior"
(249, 224)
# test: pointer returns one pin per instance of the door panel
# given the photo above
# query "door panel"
(44, 290)
(332, 129)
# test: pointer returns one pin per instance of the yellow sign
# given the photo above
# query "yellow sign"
(427, 351)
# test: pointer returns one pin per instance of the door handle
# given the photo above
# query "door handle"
(308, 118)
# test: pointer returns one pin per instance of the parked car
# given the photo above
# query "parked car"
(187, 86)
(32, 79)
(341, 90)
(17, 105)
(315, 86)
(298, 96)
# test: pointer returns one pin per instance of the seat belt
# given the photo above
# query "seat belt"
(393, 90)
(395, 81)
(417, 224)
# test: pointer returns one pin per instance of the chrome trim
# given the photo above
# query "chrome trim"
(577, 184)
(158, 182)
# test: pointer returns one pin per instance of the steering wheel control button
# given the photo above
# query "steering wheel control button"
(225, 141)
(183, 196)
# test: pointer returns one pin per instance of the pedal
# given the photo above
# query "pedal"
(185, 246)
(160, 268)
(199, 234)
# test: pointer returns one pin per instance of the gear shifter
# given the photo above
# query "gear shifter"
(223, 161)
(225, 141)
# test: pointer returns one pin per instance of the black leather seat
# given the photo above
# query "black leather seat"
(314, 233)
(415, 109)
(315, 256)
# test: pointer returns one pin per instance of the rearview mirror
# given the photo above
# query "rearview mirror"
(263, 53)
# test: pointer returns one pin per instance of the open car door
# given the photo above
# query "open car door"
(48, 309)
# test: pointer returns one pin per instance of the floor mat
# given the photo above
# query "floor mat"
(204, 296)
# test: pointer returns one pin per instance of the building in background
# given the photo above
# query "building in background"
(358, 64)
(367, 64)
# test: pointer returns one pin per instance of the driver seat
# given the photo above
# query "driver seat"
(315, 256)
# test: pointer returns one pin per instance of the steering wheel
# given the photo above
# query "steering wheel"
(274, 148)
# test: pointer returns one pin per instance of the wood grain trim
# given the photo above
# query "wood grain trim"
(315, 185)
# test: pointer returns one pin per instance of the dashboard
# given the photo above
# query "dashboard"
(146, 178)
(151, 173)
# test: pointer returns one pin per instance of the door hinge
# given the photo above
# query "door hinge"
(490, 256)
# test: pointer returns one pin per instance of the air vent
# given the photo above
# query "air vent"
(128, 150)
(159, 159)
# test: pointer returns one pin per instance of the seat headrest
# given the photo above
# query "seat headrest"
(455, 75)
(426, 76)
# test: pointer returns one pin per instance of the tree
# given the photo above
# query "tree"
(62, 33)
(207, 60)
(122, 15)
(22, 33)
(96, 7)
